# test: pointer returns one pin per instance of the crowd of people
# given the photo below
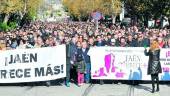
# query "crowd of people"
(79, 37)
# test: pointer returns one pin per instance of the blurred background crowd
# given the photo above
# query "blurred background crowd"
(40, 34)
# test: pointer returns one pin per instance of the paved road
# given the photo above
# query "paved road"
(85, 90)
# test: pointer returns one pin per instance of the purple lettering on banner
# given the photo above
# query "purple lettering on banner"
(109, 66)
(167, 53)
(119, 74)
(165, 69)
(108, 62)
(101, 73)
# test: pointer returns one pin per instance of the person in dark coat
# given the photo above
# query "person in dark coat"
(154, 65)
(70, 60)
(100, 41)
(68, 65)
(86, 57)
(80, 64)
(142, 41)
(123, 42)
(131, 41)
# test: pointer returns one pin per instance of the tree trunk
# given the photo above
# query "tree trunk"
(169, 21)
(25, 6)
(6, 18)
(21, 15)
(113, 19)
(24, 11)
(79, 18)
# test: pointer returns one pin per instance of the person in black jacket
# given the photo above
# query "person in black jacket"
(80, 64)
(71, 49)
(142, 41)
(86, 57)
(154, 66)
(100, 41)
(131, 41)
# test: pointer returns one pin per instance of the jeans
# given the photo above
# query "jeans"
(87, 74)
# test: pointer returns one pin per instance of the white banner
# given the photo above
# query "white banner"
(29, 65)
(125, 63)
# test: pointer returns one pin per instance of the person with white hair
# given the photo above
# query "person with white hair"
(113, 42)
